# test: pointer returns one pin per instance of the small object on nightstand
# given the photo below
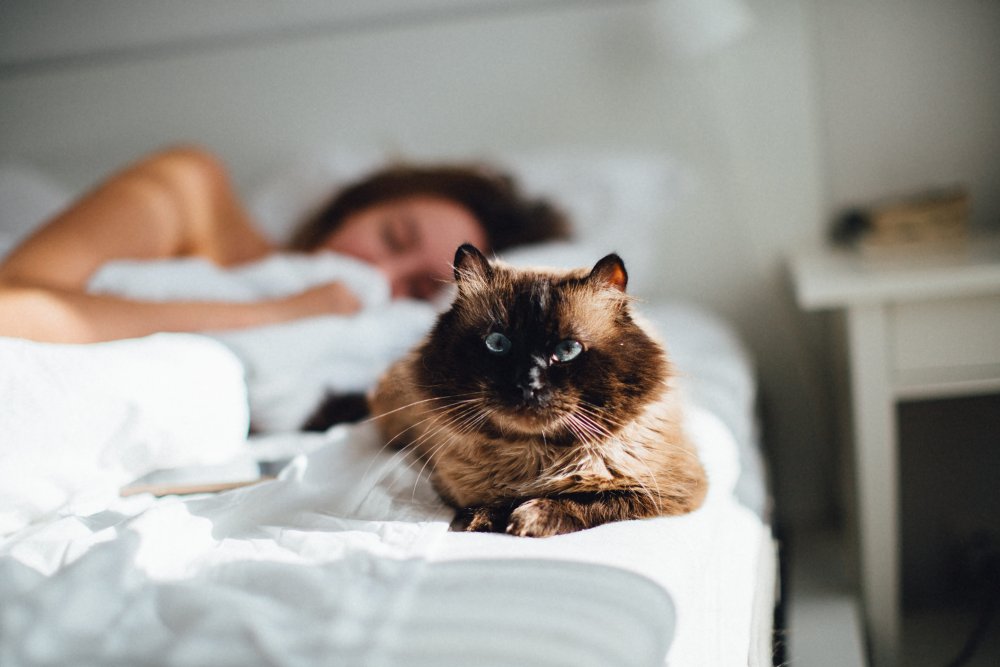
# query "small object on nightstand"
(926, 220)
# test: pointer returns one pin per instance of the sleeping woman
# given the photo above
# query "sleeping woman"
(406, 221)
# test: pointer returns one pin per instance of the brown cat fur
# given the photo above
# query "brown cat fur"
(525, 440)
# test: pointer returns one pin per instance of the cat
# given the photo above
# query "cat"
(541, 404)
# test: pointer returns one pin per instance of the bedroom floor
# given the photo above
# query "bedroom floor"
(932, 638)
(824, 626)
(824, 621)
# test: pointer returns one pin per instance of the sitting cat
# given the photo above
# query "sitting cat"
(541, 405)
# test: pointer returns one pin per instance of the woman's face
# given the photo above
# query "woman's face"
(411, 240)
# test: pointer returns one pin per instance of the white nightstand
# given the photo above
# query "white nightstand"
(919, 325)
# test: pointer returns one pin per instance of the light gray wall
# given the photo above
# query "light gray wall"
(910, 98)
(772, 127)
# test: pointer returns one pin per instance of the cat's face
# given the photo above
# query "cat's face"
(537, 352)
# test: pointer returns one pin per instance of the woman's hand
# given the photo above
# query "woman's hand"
(327, 299)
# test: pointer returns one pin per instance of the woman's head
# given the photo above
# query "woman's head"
(408, 221)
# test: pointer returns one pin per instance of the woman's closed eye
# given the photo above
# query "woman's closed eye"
(424, 286)
(400, 233)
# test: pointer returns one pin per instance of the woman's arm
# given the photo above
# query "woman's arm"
(175, 203)
(68, 316)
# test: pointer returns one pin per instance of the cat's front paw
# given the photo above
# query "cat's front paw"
(543, 517)
(479, 520)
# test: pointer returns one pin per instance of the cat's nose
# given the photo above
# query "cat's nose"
(532, 384)
(533, 392)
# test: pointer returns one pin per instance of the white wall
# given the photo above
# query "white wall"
(910, 98)
(823, 104)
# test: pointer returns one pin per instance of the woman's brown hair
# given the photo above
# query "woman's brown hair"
(508, 217)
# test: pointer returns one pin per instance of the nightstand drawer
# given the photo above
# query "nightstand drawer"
(945, 334)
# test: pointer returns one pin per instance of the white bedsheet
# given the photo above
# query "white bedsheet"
(347, 558)
(78, 422)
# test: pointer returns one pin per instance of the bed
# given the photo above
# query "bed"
(326, 548)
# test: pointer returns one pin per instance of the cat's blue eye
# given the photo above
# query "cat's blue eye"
(566, 350)
(497, 343)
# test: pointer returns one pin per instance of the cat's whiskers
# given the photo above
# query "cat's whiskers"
(597, 436)
(458, 420)
(599, 413)
(428, 455)
(402, 453)
(589, 409)
(456, 416)
(587, 431)
(390, 442)
(414, 403)
(655, 493)
(654, 498)
(462, 425)
(436, 413)
(569, 421)
(438, 447)
(447, 416)
(593, 426)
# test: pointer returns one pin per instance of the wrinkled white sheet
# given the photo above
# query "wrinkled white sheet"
(77, 422)
(347, 560)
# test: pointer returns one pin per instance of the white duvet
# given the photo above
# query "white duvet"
(346, 559)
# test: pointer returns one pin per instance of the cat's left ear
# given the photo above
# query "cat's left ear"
(470, 263)
(610, 272)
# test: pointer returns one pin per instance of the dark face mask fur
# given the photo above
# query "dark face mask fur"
(541, 405)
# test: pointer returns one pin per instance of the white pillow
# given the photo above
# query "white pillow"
(617, 202)
(288, 196)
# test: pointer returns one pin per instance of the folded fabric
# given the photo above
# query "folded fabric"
(278, 275)
(289, 366)
(79, 421)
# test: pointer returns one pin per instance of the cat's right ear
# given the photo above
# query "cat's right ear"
(610, 272)
(470, 263)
